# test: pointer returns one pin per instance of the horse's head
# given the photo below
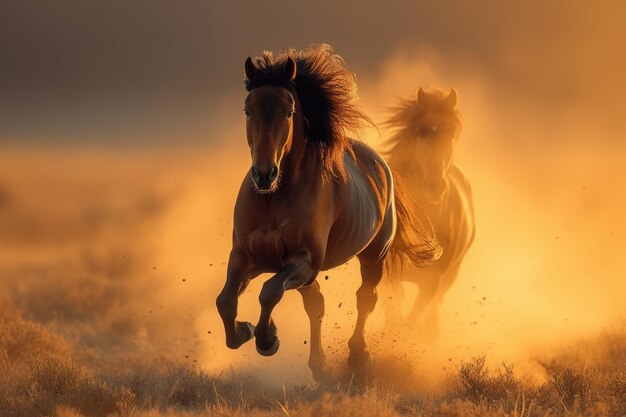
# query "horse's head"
(436, 130)
(269, 111)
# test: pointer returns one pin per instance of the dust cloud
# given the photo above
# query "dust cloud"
(124, 252)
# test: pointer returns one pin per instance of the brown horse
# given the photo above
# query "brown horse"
(422, 152)
(312, 200)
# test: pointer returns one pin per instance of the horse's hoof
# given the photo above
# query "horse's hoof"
(318, 369)
(359, 359)
(271, 351)
(244, 333)
(250, 335)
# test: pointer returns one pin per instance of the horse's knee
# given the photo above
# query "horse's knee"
(225, 305)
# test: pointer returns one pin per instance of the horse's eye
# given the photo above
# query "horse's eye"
(290, 114)
(247, 113)
(423, 131)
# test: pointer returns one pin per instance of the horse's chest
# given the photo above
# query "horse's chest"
(269, 245)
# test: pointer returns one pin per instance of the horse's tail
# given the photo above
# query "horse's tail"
(412, 243)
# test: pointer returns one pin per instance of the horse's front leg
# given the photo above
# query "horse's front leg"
(296, 272)
(237, 278)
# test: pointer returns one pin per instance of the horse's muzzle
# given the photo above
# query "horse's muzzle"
(264, 177)
(434, 190)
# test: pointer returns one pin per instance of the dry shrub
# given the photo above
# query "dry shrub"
(573, 385)
(579, 390)
(38, 385)
(570, 390)
(588, 375)
(479, 386)
(177, 386)
(37, 375)
(22, 338)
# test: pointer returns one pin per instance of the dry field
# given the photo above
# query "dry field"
(109, 265)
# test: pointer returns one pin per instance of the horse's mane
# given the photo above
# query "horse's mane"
(406, 116)
(327, 92)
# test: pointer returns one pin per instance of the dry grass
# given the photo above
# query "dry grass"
(42, 379)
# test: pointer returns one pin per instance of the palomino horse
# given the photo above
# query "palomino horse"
(312, 200)
(422, 152)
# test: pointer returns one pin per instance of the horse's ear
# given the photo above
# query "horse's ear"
(290, 68)
(452, 99)
(250, 69)
(421, 95)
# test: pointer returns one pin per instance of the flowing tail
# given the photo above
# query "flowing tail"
(412, 242)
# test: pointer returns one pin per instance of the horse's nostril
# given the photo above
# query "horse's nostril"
(255, 174)
(273, 173)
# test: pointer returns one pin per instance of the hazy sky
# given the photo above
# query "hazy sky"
(112, 68)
